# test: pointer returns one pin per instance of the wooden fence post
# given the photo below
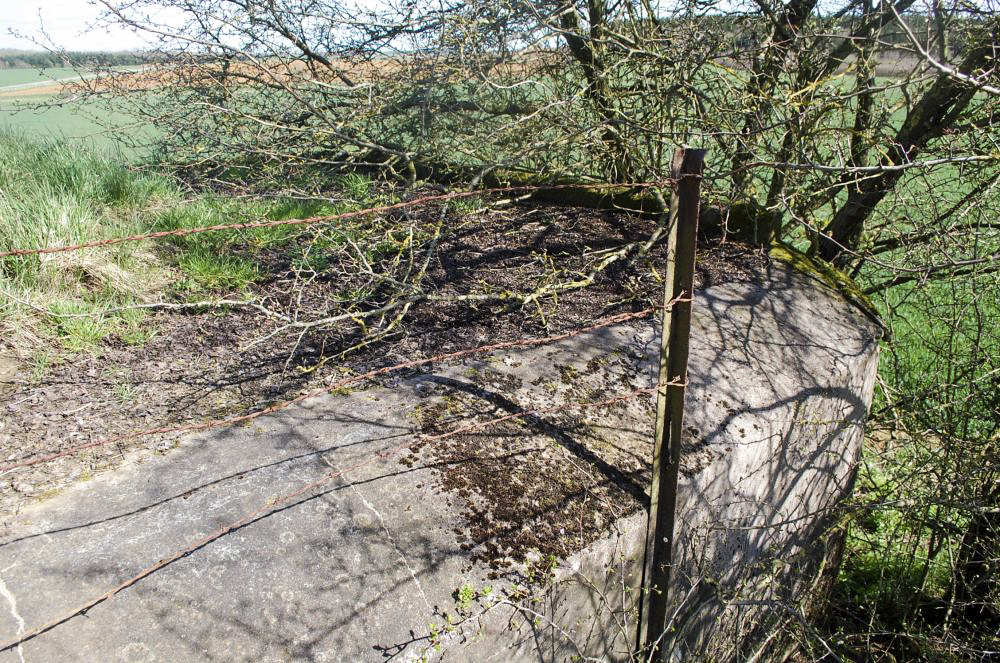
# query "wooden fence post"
(652, 640)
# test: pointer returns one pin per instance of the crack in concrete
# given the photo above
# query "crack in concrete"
(388, 535)
(7, 594)
(399, 553)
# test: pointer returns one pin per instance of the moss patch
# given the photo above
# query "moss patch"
(829, 275)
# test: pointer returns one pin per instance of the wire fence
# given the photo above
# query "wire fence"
(383, 209)
(408, 291)
(274, 503)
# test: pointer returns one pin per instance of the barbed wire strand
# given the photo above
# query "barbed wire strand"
(275, 503)
(181, 232)
(346, 382)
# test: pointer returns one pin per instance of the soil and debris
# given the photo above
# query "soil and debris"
(205, 365)
(543, 485)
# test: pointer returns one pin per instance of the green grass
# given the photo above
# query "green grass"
(209, 270)
(215, 261)
(132, 328)
(898, 571)
(356, 186)
(466, 205)
(55, 193)
(79, 333)
(52, 193)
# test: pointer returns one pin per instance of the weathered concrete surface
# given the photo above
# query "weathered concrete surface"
(776, 413)
(364, 567)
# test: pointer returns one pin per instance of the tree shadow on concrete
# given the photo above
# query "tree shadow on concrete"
(358, 569)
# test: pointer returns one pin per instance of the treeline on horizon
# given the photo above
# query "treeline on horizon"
(892, 39)
(16, 59)
(751, 31)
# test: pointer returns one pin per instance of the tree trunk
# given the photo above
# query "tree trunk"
(928, 119)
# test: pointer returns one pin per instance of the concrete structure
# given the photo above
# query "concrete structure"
(366, 567)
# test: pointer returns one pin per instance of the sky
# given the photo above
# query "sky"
(65, 21)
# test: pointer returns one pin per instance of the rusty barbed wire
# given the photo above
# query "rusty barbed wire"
(346, 382)
(275, 503)
(182, 232)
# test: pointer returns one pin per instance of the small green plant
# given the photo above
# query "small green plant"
(356, 186)
(209, 270)
(569, 374)
(125, 391)
(434, 636)
(352, 295)
(466, 204)
(297, 208)
(467, 595)
(41, 362)
(311, 261)
(542, 571)
(131, 328)
(341, 391)
(464, 596)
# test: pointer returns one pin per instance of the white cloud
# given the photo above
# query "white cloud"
(70, 24)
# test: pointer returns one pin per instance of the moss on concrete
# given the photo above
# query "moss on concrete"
(831, 276)
(573, 191)
(580, 194)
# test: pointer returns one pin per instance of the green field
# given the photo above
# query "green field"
(38, 117)
(22, 76)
